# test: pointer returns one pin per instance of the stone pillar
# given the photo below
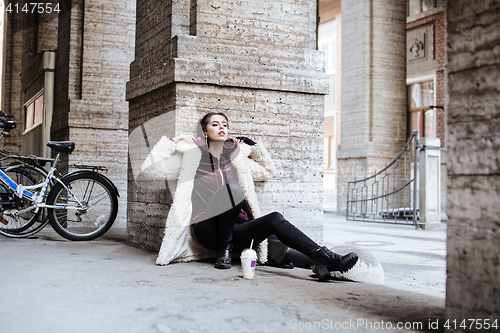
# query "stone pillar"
(256, 61)
(429, 178)
(373, 89)
(11, 75)
(473, 120)
(94, 50)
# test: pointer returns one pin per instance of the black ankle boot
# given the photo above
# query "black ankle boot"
(224, 257)
(326, 261)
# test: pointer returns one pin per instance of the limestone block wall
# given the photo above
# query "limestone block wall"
(68, 59)
(254, 60)
(95, 45)
(47, 31)
(11, 70)
(473, 67)
(25, 35)
(373, 89)
(289, 125)
(151, 116)
(95, 48)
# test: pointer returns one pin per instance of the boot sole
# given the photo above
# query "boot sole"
(222, 265)
(346, 264)
(323, 272)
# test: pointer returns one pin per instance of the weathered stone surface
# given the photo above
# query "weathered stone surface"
(474, 150)
(466, 298)
(483, 104)
(261, 68)
(473, 166)
(272, 22)
(90, 105)
(468, 258)
(473, 201)
(95, 43)
(104, 148)
(11, 82)
(373, 86)
(156, 78)
(207, 61)
(472, 39)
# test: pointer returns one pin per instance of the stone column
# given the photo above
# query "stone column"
(473, 185)
(373, 89)
(94, 50)
(429, 179)
(11, 76)
(254, 60)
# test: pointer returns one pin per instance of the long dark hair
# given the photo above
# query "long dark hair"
(206, 118)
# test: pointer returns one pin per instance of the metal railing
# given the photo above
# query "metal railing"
(390, 195)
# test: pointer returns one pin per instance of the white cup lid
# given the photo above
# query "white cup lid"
(248, 254)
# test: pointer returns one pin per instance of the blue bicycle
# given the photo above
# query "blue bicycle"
(25, 171)
(80, 206)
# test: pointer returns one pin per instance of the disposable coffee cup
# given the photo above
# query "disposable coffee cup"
(248, 258)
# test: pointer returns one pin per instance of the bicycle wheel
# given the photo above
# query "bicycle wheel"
(95, 215)
(27, 223)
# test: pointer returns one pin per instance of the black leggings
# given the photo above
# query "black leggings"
(223, 228)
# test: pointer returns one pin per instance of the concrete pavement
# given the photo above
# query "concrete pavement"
(54, 285)
(413, 260)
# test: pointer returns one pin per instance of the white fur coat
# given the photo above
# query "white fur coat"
(180, 161)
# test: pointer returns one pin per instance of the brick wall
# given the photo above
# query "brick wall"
(473, 256)
(439, 48)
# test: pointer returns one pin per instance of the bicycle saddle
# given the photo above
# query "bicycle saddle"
(62, 146)
(6, 124)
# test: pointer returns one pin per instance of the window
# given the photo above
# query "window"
(326, 43)
(414, 7)
(421, 114)
(33, 113)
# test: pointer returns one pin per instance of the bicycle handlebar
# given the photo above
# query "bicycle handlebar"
(6, 115)
(7, 124)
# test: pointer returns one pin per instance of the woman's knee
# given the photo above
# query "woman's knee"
(276, 221)
(276, 217)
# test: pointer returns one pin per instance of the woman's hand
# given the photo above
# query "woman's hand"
(244, 139)
(238, 141)
(187, 138)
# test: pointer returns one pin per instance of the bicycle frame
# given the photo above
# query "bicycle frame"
(37, 200)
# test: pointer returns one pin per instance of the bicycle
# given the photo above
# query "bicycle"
(24, 170)
(80, 206)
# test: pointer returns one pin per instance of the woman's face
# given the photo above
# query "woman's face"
(217, 129)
